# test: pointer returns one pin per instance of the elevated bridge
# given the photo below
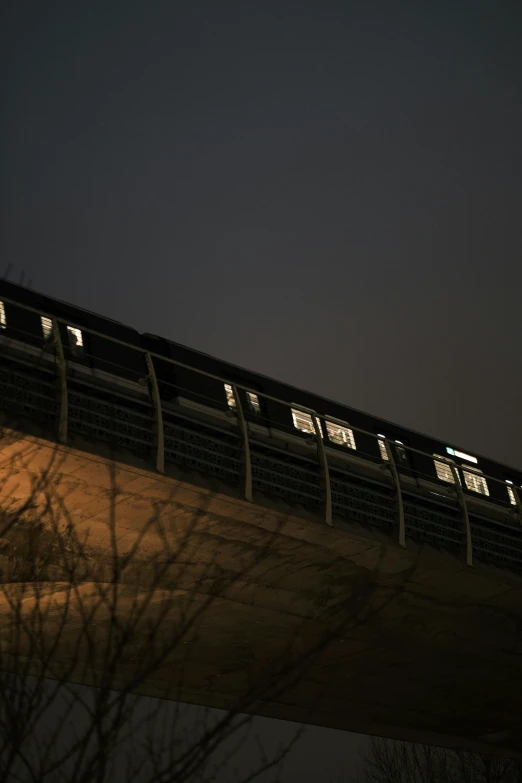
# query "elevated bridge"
(431, 579)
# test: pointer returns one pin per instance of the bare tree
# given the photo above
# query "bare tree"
(122, 611)
(394, 761)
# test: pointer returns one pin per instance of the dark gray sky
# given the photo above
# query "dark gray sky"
(327, 193)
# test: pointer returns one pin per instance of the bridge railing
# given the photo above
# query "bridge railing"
(137, 408)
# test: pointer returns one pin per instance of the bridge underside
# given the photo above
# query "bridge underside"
(432, 650)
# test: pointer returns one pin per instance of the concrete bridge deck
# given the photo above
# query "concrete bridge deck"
(433, 648)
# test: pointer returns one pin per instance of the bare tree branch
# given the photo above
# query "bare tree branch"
(111, 612)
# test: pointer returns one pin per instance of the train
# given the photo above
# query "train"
(207, 384)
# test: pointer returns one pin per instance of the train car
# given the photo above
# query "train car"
(346, 431)
(274, 410)
(88, 340)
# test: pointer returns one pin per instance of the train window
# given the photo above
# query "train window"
(461, 455)
(444, 472)
(341, 435)
(382, 447)
(47, 326)
(475, 482)
(401, 451)
(3, 322)
(303, 421)
(231, 400)
(511, 493)
(253, 402)
(75, 338)
(252, 399)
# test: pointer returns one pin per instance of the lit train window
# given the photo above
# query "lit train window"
(511, 493)
(75, 337)
(47, 326)
(3, 322)
(382, 447)
(252, 399)
(341, 435)
(253, 402)
(461, 455)
(476, 483)
(231, 400)
(303, 421)
(444, 472)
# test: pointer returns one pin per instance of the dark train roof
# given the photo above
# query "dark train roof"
(34, 298)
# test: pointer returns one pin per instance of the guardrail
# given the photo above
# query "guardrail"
(41, 382)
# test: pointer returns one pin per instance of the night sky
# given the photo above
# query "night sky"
(326, 193)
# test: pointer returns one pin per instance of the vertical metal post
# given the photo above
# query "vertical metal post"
(398, 490)
(158, 415)
(463, 505)
(62, 374)
(246, 445)
(321, 453)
